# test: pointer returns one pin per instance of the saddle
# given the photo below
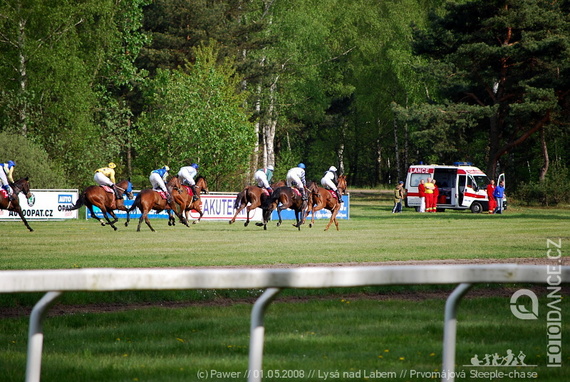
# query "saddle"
(108, 189)
(4, 193)
(162, 194)
(189, 189)
(333, 193)
(296, 191)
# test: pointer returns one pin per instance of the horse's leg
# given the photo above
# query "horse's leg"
(279, 214)
(240, 208)
(106, 216)
(334, 211)
(21, 214)
(90, 206)
(147, 221)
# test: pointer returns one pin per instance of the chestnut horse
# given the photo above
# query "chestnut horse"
(280, 199)
(22, 186)
(105, 201)
(183, 196)
(149, 199)
(323, 198)
(254, 196)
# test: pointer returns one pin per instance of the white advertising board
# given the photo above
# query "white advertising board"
(48, 205)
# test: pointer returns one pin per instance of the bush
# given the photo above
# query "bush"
(550, 192)
(31, 161)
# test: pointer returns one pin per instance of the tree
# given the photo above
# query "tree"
(197, 115)
(502, 72)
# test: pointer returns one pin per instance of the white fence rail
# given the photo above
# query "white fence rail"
(56, 282)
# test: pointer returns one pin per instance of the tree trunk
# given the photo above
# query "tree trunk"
(546, 163)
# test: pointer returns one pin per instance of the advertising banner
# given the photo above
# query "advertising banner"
(221, 207)
(46, 205)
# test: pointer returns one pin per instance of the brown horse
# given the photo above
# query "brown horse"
(149, 199)
(22, 186)
(323, 198)
(184, 198)
(282, 198)
(255, 196)
(105, 201)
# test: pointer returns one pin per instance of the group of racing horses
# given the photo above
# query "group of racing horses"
(182, 201)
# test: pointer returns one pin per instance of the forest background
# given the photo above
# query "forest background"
(370, 86)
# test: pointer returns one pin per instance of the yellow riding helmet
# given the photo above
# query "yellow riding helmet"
(111, 165)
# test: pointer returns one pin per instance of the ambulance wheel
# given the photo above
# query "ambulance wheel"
(476, 208)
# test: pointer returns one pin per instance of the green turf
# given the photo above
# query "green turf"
(372, 234)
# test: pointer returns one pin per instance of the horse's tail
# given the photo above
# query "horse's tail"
(80, 202)
(240, 198)
(135, 204)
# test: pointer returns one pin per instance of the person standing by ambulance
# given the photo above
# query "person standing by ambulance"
(499, 194)
(490, 192)
(422, 191)
(429, 186)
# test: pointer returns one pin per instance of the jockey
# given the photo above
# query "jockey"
(158, 178)
(187, 175)
(330, 181)
(105, 176)
(263, 177)
(7, 177)
(296, 178)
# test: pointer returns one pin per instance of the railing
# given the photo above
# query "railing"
(56, 282)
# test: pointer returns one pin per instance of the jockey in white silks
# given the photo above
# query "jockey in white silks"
(263, 177)
(187, 175)
(296, 178)
(158, 180)
(330, 181)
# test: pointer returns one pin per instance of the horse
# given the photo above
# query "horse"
(255, 196)
(105, 200)
(323, 198)
(22, 186)
(149, 199)
(184, 198)
(282, 198)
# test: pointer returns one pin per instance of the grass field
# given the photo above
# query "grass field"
(312, 335)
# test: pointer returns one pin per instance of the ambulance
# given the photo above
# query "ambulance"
(461, 186)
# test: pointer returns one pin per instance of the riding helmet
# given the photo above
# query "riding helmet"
(111, 165)
(195, 165)
(270, 167)
(301, 165)
(333, 168)
(166, 168)
(11, 163)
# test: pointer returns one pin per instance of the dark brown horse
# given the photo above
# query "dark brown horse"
(22, 186)
(255, 196)
(184, 197)
(105, 200)
(149, 199)
(323, 198)
(282, 198)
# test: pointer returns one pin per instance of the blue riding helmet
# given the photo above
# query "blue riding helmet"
(11, 163)
(194, 165)
(301, 165)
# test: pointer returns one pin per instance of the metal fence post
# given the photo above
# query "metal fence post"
(257, 334)
(450, 331)
(36, 336)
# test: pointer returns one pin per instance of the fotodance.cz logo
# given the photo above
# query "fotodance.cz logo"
(524, 311)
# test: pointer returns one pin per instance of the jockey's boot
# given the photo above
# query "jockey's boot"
(114, 187)
(168, 197)
(12, 197)
(339, 196)
(195, 193)
(304, 194)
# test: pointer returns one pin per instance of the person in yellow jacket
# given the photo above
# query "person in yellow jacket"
(105, 176)
(430, 203)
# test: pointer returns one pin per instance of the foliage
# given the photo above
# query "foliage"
(196, 115)
(32, 161)
(552, 191)
(508, 58)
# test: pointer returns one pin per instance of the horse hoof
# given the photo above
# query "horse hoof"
(230, 222)
(310, 225)
(259, 224)
(245, 224)
(195, 222)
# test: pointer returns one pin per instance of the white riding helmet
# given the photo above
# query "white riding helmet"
(270, 167)
(333, 168)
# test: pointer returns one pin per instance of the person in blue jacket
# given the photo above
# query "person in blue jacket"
(158, 180)
(499, 194)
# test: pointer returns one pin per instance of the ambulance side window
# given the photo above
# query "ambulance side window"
(415, 179)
